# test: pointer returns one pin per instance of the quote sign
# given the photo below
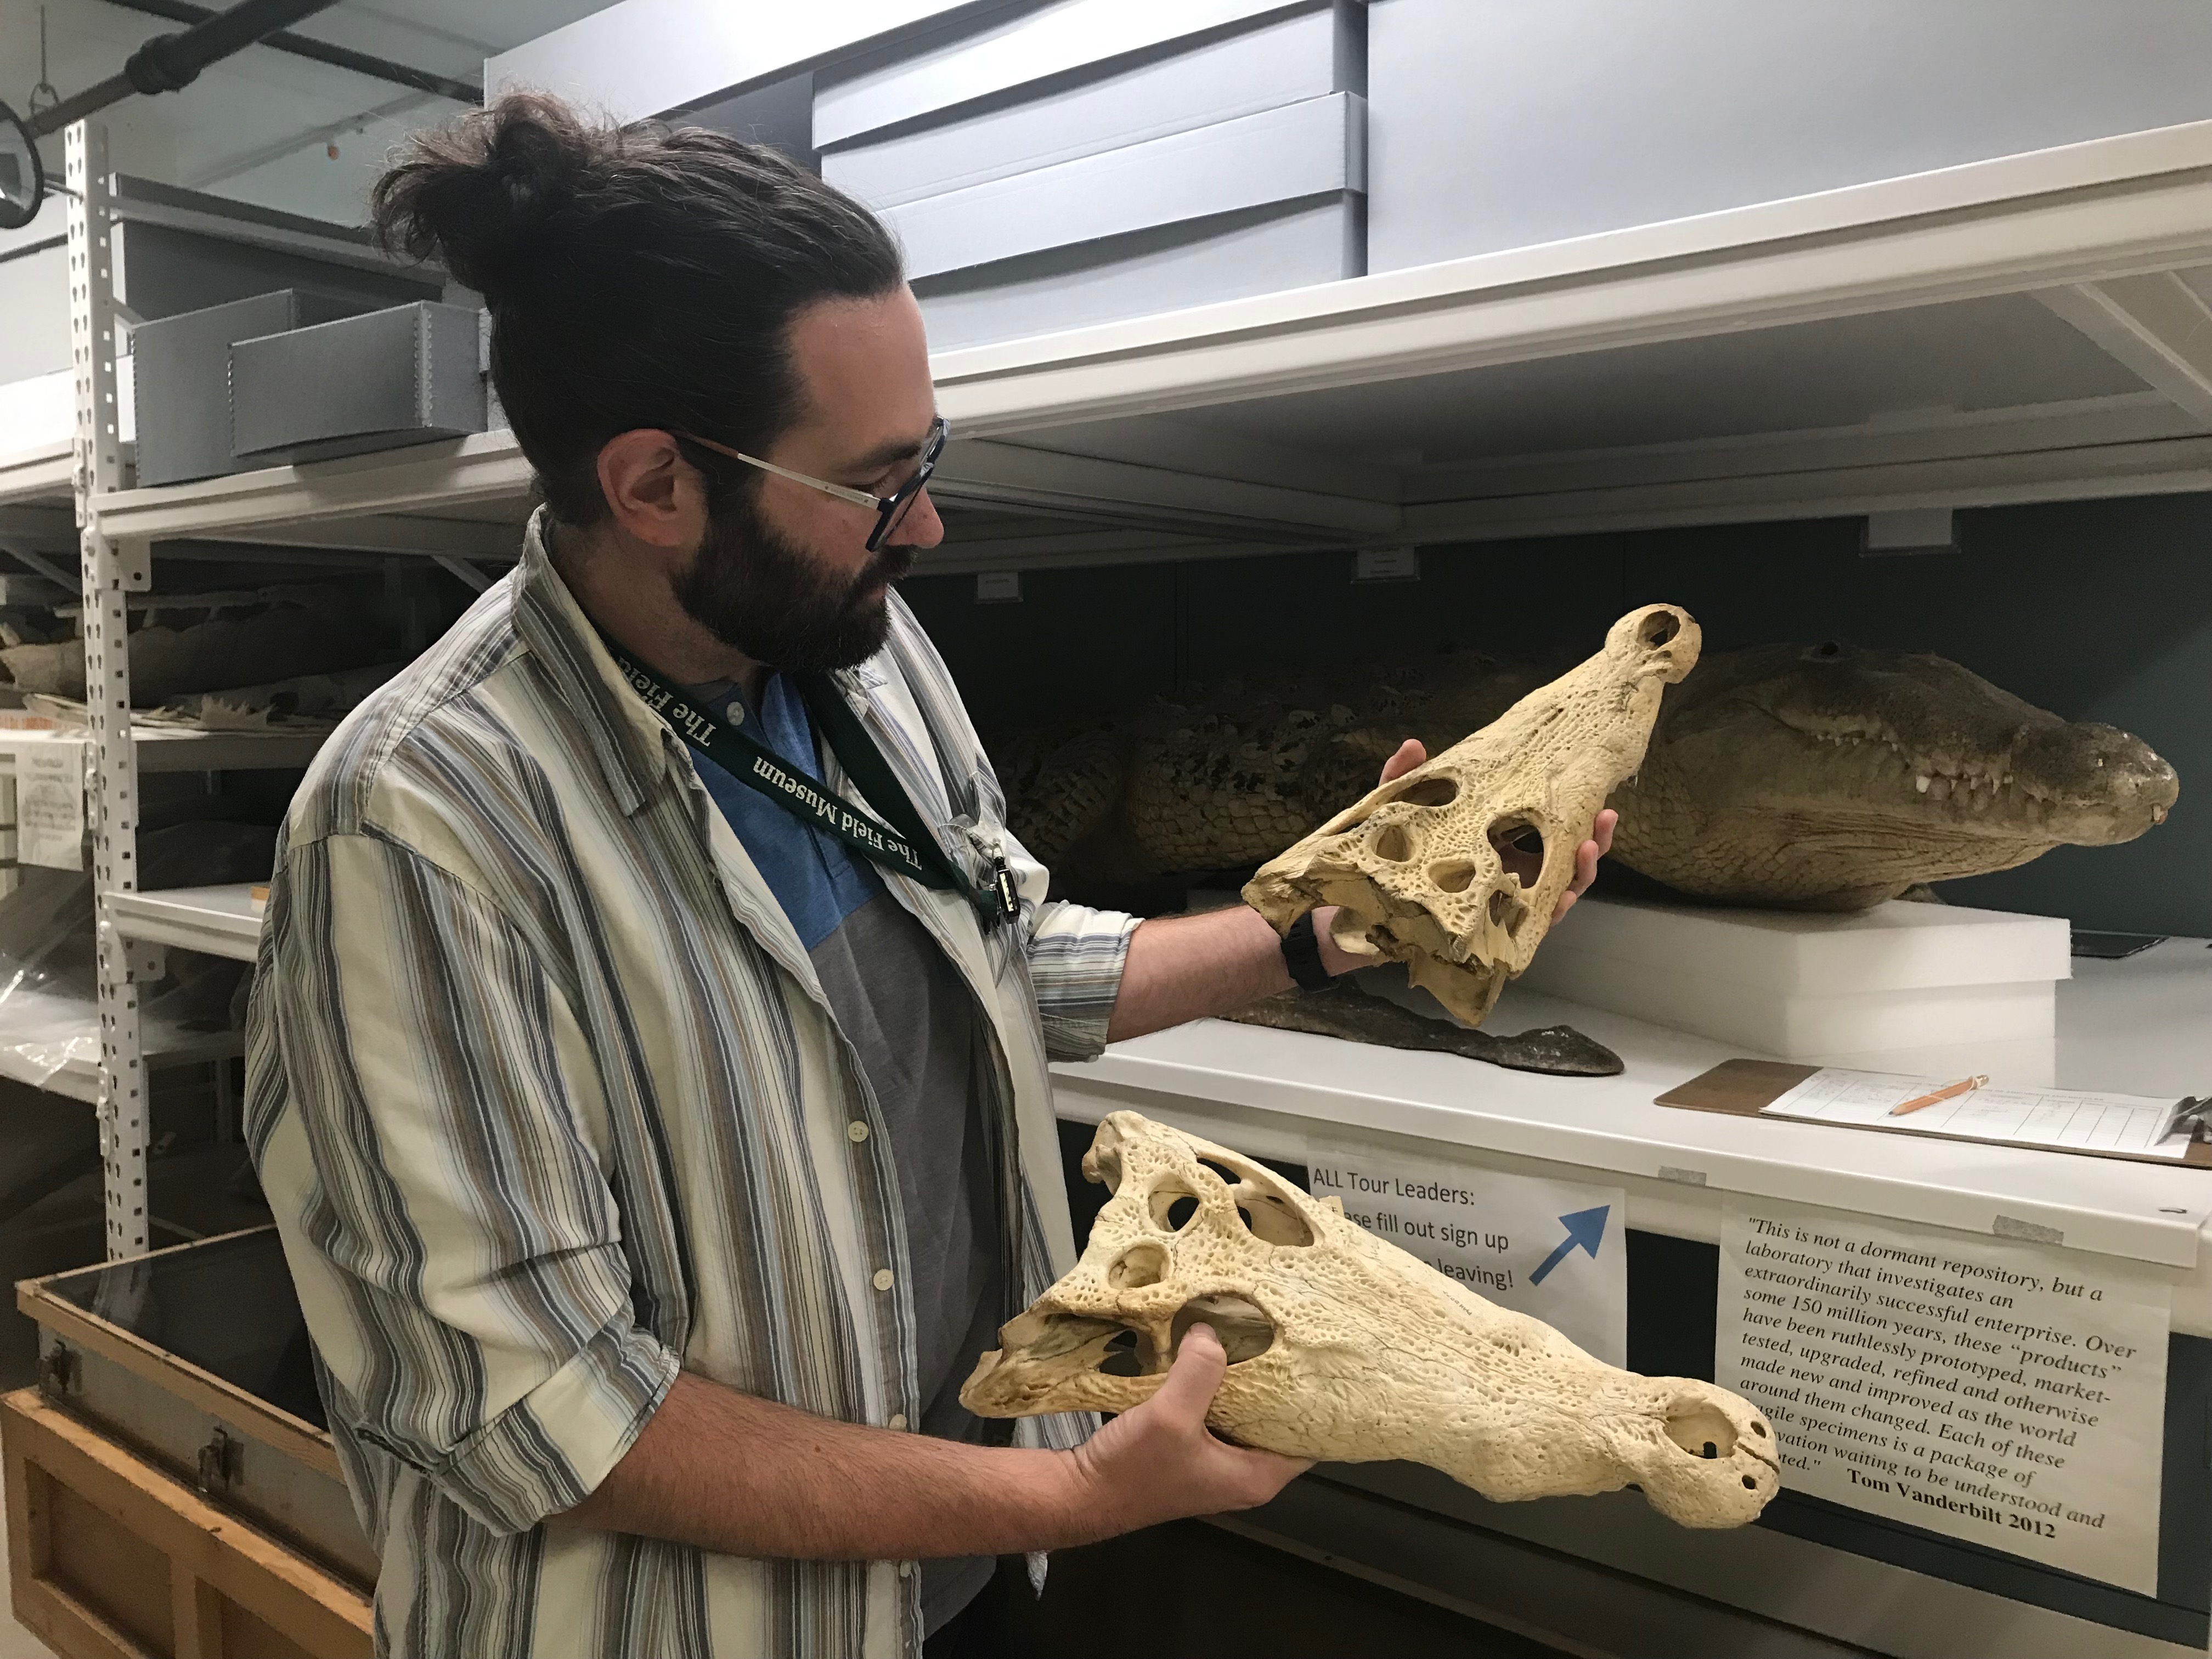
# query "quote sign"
(1555, 1249)
(2011, 1395)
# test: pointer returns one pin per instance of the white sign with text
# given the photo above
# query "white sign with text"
(50, 804)
(1555, 1249)
(2011, 1395)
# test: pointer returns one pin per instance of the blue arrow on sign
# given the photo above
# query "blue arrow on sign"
(1585, 1228)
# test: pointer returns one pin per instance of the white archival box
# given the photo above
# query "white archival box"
(1899, 987)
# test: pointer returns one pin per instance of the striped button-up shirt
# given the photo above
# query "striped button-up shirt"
(548, 1103)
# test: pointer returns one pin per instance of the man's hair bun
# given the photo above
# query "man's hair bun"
(636, 276)
(474, 194)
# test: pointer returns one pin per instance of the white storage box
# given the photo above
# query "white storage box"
(1900, 981)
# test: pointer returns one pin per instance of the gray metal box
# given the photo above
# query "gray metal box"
(401, 376)
(1049, 167)
(1499, 124)
(182, 386)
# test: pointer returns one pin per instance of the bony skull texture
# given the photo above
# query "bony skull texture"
(1419, 866)
(1343, 1346)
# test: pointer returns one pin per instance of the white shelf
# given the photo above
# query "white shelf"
(2028, 328)
(222, 921)
(2144, 1024)
(167, 749)
(39, 476)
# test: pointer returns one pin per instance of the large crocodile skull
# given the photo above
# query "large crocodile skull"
(1419, 866)
(1343, 1346)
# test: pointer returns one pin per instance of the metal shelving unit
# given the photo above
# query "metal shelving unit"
(2036, 327)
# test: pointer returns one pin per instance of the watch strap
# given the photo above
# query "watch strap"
(1301, 955)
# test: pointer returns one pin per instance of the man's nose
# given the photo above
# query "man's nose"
(921, 528)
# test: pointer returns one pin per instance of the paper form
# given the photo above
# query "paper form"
(2039, 1117)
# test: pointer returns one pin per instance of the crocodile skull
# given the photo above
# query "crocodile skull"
(1343, 1346)
(1421, 866)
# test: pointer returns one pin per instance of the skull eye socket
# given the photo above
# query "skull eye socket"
(1520, 847)
(1272, 1221)
(1266, 1215)
(1437, 791)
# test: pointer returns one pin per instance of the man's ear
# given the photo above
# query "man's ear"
(655, 495)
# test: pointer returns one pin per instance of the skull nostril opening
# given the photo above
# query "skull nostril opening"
(1438, 791)
(1245, 1332)
(1750, 1484)
(1758, 1428)
(1659, 627)
(1392, 844)
(1141, 1264)
(1453, 875)
(1701, 1430)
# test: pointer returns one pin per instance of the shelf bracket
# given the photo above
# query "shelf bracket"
(2156, 325)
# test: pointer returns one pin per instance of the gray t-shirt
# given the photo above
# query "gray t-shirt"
(904, 1007)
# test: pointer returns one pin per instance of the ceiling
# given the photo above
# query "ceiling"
(260, 127)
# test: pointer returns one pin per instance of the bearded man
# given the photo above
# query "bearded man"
(647, 1066)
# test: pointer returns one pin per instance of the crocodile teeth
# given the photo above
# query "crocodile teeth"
(1920, 782)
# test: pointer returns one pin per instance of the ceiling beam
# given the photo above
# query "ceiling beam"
(321, 51)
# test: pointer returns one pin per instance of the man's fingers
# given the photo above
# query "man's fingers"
(1196, 1373)
(1602, 831)
(1411, 754)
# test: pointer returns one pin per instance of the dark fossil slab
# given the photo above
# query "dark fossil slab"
(1344, 1011)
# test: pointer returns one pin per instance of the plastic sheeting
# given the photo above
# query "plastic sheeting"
(48, 981)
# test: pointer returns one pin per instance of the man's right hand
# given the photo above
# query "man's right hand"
(1160, 1462)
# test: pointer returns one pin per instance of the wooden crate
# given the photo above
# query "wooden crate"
(110, 1558)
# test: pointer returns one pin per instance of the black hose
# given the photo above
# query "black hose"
(169, 62)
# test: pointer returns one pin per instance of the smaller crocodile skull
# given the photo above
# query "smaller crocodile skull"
(1343, 1346)
(1419, 866)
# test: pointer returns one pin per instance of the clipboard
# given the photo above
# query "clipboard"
(1744, 1088)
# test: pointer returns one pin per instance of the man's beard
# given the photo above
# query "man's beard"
(757, 592)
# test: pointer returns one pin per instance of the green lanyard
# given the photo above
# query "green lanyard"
(910, 849)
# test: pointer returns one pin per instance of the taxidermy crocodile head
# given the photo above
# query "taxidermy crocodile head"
(1344, 1346)
(1783, 774)
(1834, 776)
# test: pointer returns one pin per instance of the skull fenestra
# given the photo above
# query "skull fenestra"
(1421, 866)
(1341, 1345)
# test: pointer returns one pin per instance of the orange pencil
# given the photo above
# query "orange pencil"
(1949, 1091)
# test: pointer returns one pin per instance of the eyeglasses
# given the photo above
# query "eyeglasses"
(888, 509)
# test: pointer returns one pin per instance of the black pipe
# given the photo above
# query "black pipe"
(321, 51)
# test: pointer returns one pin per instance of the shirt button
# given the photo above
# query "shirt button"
(883, 1278)
(898, 1420)
(856, 1132)
(906, 1568)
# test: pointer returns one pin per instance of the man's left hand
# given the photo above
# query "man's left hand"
(1528, 863)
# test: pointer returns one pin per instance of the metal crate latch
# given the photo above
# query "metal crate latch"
(222, 1461)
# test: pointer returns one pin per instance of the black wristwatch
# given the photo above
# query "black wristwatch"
(1301, 955)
